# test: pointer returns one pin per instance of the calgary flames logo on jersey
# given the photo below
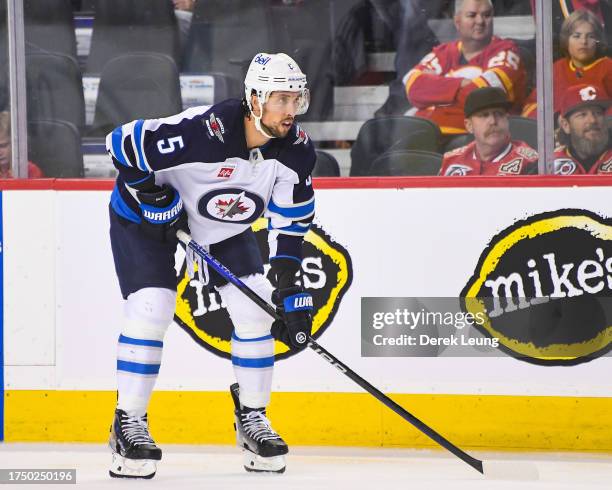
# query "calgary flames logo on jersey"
(326, 274)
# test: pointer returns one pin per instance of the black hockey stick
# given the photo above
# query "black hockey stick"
(334, 361)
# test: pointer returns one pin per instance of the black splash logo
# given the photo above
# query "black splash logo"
(326, 273)
(545, 287)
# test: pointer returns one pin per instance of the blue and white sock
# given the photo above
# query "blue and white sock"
(253, 361)
(138, 363)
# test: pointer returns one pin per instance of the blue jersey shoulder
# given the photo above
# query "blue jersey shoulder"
(296, 151)
(199, 136)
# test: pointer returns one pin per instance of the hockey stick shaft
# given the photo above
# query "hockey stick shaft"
(330, 358)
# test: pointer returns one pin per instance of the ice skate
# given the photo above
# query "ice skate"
(135, 454)
(264, 450)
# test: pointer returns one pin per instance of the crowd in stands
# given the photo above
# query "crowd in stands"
(435, 75)
(479, 67)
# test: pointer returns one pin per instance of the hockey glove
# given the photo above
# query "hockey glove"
(162, 213)
(294, 306)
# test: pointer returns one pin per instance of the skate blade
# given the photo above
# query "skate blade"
(132, 468)
(258, 464)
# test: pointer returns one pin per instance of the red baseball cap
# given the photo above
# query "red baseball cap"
(583, 95)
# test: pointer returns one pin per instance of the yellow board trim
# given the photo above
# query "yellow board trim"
(340, 419)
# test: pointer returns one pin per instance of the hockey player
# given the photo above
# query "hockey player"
(440, 83)
(583, 132)
(492, 152)
(216, 171)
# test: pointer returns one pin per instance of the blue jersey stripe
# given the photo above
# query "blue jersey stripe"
(121, 208)
(293, 211)
(136, 182)
(262, 362)
(287, 257)
(150, 343)
(294, 228)
(138, 143)
(117, 142)
(265, 337)
(138, 368)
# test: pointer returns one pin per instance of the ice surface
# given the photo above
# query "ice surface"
(219, 467)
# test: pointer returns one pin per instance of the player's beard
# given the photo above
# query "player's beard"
(590, 147)
(274, 132)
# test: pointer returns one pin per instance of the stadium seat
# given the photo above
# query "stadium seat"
(524, 129)
(226, 87)
(458, 141)
(49, 27)
(299, 32)
(122, 26)
(407, 162)
(55, 88)
(326, 165)
(87, 6)
(379, 135)
(55, 160)
(225, 35)
(152, 90)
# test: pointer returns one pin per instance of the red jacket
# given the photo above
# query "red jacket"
(34, 172)
(565, 74)
(438, 96)
(565, 163)
(515, 159)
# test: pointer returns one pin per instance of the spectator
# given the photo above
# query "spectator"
(562, 9)
(583, 44)
(583, 132)
(183, 10)
(6, 172)
(492, 152)
(414, 40)
(440, 83)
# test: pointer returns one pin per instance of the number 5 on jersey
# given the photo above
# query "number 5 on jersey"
(169, 145)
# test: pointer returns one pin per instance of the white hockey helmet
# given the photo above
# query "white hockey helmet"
(275, 72)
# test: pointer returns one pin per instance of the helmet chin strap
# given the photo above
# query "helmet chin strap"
(258, 120)
(259, 128)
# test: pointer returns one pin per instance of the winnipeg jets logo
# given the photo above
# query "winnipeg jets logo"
(215, 127)
(231, 205)
(301, 135)
(231, 208)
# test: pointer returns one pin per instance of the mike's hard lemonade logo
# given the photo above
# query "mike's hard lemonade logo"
(545, 287)
(326, 274)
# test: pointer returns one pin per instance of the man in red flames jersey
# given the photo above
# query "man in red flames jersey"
(583, 132)
(492, 152)
(440, 83)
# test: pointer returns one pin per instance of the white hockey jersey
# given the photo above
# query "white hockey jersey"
(202, 153)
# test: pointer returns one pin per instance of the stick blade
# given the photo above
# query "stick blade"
(510, 470)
